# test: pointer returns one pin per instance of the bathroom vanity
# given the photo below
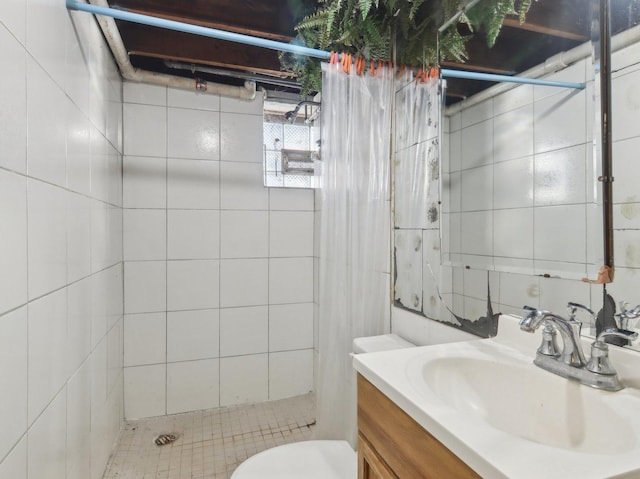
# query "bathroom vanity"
(392, 445)
(481, 408)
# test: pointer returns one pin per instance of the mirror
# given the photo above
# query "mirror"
(520, 214)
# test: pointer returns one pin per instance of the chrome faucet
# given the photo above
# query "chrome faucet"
(569, 329)
(570, 362)
(627, 314)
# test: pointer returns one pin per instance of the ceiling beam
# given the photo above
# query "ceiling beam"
(543, 29)
(476, 68)
(200, 61)
(153, 42)
(567, 19)
(261, 33)
(274, 17)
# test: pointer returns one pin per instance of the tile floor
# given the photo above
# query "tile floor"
(210, 444)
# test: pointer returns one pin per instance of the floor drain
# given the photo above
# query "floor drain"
(164, 439)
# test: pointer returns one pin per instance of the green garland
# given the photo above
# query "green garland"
(371, 28)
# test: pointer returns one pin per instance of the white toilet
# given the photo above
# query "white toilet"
(315, 459)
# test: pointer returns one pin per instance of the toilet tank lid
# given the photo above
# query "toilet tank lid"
(384, 342)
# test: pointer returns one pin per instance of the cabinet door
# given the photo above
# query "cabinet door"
(406, 448)
(370, 465)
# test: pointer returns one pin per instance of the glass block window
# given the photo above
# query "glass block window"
(291, 153)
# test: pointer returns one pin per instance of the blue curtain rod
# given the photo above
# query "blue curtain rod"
(286, 47)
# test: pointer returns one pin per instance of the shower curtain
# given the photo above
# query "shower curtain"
(355, 234)
(355, 252)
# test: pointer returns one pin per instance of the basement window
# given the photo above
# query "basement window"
(291, 145)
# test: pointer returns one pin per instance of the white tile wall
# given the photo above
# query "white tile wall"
(60, 203)
(47, 241)
(291, 233)
(193, 184)
(47, 453)
(193, 284)
(198, 101)
(290, 326)
(79, 424)
(235, 144)
(145, 391)
(244, 234)
(13, 370)
(145, 234)
(145, 286)
(244, 379)
(290, 280)
(13, 230)
(244, 282)
(238, 187)
(193, 234)
(244, 331)
(145, 339)
(47, 346)
(144, 182)
(207, 245)
(46, 148)
(561, 176)
(193, 335)
(290, 372)
(145, 131)
(14, 465)
(193, 134)
(193, 385)
(13, 125)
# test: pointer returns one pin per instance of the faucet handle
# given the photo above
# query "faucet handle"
(599, 361)
(626, 314)
(549, 345)
(621, 333)
(635, 312)
(574, 307)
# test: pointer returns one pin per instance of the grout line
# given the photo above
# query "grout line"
(268, 295)
(166, 252)
(220, 183)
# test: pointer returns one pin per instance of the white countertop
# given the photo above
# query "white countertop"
(490, 451)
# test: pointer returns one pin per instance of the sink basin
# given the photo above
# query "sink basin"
(527, 402)
(492, 407)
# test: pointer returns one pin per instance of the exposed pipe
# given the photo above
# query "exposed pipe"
(274, 45)
(606, 133)
(551, 65)
(290, 116)
(112, 35)
(269, 80)
(508, 79)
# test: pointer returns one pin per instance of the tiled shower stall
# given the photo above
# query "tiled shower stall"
(218, 269)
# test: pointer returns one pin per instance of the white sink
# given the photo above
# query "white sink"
(492, 407)
(529, 403)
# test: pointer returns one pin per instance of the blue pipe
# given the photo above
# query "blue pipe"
(197, 30)
(509, 79)
(281, 46)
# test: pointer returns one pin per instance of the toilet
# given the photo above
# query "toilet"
(326, 459)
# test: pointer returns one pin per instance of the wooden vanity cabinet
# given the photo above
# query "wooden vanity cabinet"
(391, 445)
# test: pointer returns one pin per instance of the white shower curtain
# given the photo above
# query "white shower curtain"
(355, 230)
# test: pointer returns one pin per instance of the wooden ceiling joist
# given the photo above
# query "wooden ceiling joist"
(543, 29)
(260, 33)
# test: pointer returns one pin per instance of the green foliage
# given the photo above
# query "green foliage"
(372, 28)
(491, 15)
